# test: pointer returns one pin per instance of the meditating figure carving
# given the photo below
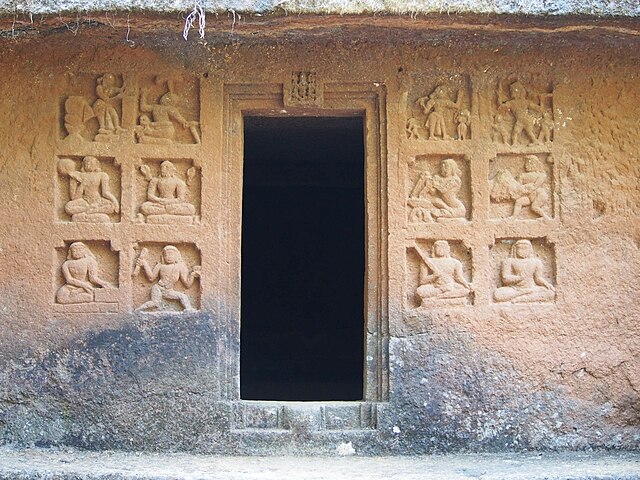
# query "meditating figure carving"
(527, 189)
(443, 278)
(435, 105)
(522, 278)
(171, 271)
(521, 108)
(435, 197)
(159, 128)
(91, 197)
(80, 272)
(167, 196)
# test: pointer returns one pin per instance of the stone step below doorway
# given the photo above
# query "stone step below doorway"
(309, 416)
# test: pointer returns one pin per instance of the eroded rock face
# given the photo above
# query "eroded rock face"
(502, 238)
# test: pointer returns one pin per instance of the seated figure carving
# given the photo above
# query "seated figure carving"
(91, 197)
(444, 280)
(167, 196)
(521, 276)
(80, 272)
(168, 273)
(158, 128)
(435, 197)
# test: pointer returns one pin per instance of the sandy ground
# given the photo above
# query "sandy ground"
(60, 464)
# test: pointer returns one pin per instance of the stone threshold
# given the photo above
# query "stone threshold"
(63, 464)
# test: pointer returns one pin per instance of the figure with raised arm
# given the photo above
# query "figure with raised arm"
(171, 271)
(103, 108)
(434, 106)
(522, 278)
(521, 107)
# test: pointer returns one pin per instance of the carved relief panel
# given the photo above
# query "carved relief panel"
(521, 187)
(439, 109)
(439, 274)
(438, 189)
(523, 270)
(523, 112)
(88, 189)
(303, 89)
(168, 192)
(86, 277)
(166, 277)
(114, 108)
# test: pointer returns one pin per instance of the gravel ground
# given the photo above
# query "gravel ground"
(72, 464)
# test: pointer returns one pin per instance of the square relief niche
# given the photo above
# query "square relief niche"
(113, 107)
(438, 274)
(522, 112)
(439, 109)
(88, 189)
(438, 190)
(521, 187)
(86, 277)
(166, 277)
(523, 270)
(168, 192)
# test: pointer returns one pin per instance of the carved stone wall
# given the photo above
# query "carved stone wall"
(501, 308)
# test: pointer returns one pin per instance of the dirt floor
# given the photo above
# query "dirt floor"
(67, 463)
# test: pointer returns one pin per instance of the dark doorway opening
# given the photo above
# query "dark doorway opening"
(303, 259)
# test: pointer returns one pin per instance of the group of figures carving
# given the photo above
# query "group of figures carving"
(90, 198)
(520, 114)
(439, 110)
(442, 279)
(82, 283)
(521, 182)
(115, 109)
(149, 121)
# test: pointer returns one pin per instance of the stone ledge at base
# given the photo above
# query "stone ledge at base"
(61, 464)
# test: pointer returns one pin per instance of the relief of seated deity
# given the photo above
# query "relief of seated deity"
(158, 126)
(91, 197)
(80, 272)
(435, 197)
(442, 281)
(167, 196)
(522, 279)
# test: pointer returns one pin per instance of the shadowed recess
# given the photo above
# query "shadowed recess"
(302, 328)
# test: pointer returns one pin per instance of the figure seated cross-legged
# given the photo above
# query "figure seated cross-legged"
(443, 282)
(167, 196)
(171, 271)
(91, 197)
(522, 278)
(80, 272)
